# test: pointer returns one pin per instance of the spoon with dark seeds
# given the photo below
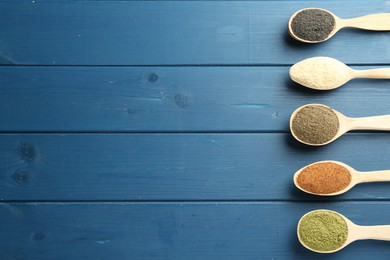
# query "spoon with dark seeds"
(316, 124)
(313, 25)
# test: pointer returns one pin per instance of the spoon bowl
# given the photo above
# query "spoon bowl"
(374, 22)
(324, 73)
(355, 232)
(313, 125)
(341, 128)
(355, 178)
(332, 30)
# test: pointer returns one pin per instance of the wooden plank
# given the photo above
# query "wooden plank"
(169, 98)
(174, 32)
(68, 167)
(173, 230)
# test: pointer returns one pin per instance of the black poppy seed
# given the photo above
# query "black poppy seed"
(313, 24)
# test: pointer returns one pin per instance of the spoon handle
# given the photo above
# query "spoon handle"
(383, 73)
(375, 176)
(381, 123)
(374, 22)
(381, 232)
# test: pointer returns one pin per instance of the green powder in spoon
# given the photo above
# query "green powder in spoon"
(323, 230)
(315, 124)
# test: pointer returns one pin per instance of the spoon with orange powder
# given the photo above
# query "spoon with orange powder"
(330, 178)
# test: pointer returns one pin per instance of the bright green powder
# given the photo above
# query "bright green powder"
(323, 230)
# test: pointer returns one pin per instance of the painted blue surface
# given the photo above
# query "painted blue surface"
(195, 230)
(169, 98)
(159, 129)
(177, 32)
(154, 167)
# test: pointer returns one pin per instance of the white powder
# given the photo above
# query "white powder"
(321, 73)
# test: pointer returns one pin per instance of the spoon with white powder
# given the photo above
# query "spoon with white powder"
(324, 73)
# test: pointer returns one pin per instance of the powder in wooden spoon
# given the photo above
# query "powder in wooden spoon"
(315, 124)
(323, 230)
(320, 73)
(313, 24)
(324, 178)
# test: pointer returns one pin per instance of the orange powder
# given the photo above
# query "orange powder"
(324, 178)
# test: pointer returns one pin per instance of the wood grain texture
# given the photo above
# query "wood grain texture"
(157, 167)
(173, 230)
(177, 32)
(169, 98)
(159, 129)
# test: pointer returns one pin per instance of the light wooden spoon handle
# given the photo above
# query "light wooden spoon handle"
(381, 123)
(374, 176)
(374, 22)
(381, 232)
(373, 73)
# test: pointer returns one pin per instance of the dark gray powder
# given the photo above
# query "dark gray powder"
(313, 24)
(315, 124)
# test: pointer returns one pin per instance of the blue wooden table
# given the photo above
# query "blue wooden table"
(159, 129)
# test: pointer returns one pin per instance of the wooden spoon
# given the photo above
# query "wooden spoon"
(356, 177)
(355, 232)
(324, 73)
(373, 22)
(346, 124)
